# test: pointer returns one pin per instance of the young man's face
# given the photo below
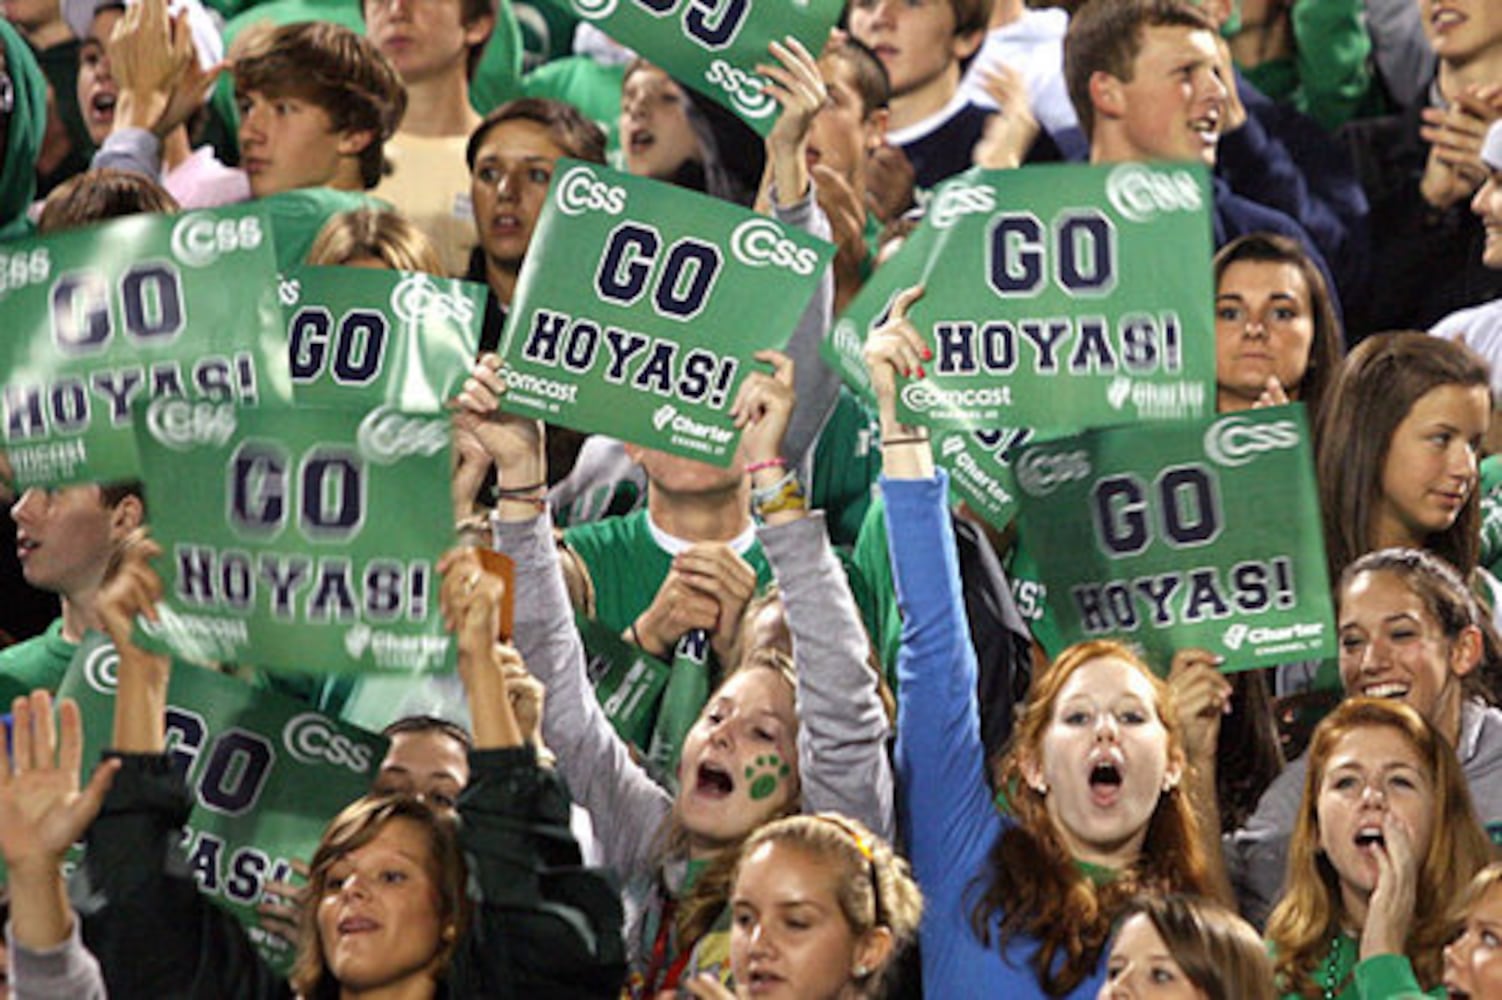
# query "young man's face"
(423, 39)
(64, 538)
(1172, 107)
(508, 184)
(97, 91)
(1488, 208)
(1461, 30)
(289, 142)
(914, 39)
(842, 133)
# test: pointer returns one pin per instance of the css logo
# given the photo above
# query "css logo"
(417, 296)
(759, 242)
(580, 191)
(199, 239)
(386, 435)
(959, 200)
(1040, 473)
(179, 424)
(310, 739)
(743, 89)
(1236, 441)
(1139, 193)
(101, 668)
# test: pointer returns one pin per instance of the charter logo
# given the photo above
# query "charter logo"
(743, 89)
(1266, 639)
(1139, 193)
(761, 242)
(1235, 441)
(663, 415)
(386, 435)
(199, 238)
(180, 425)
(687, 431)
(1118, 391)
(580, 191)
(418, 297)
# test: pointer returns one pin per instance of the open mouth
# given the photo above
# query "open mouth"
(1386, 689)
(24, 547)
(1446, 18)
(1105, 782)
(640, 140)
(1207, 128)
(1369, 837)
(761, 981)
(713, 781)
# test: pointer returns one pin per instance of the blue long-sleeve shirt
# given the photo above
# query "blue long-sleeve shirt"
(950, 822)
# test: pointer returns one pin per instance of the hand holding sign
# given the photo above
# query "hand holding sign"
(714, 569)
(763, 407)
(471, 601)
(483, 434)
(1203, 697)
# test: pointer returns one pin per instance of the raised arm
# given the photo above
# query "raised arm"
(842, 734)
(591, 757)
(42, 813)
(939, 752)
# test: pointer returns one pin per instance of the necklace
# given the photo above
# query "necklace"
(1332, 965)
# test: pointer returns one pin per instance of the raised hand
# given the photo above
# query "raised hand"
(1455, 134)
(1010, 131)
(1389, 914)
(43, 811)
(150, 55)
(1203, 696)
(677, 608)
(798, 86)
(763, 406)
(484, 434)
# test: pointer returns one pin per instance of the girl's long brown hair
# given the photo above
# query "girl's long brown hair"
(1310, 914)
(1035, 887)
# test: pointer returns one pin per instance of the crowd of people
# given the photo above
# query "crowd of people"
(865, 778)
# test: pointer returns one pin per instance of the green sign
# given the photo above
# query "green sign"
(713, 46)
(1056, 298)
(266, 774)
(141, 307)
(361, 334)
(298, 540)
(640, 304)
(1195, 533)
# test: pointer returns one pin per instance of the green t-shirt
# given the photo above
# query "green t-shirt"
(627, 566)
(846, 467)
(873, 587)
(1382, 977)
(39, 662)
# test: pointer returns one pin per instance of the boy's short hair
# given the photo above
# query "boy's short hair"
(332, 67)
(576, 135)
(1106, 36)
(100, 194)
(971, 15)
(871, 80)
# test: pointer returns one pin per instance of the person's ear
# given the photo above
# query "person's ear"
(352, 141)
(1174, 773)
(1466, 651)
(479, 29)
(966, 45)
(872, 952)
(1032, 773)
(875, 127)
(1107, 95)
(127, 515)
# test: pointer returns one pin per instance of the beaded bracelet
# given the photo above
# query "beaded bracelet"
(771, 463)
